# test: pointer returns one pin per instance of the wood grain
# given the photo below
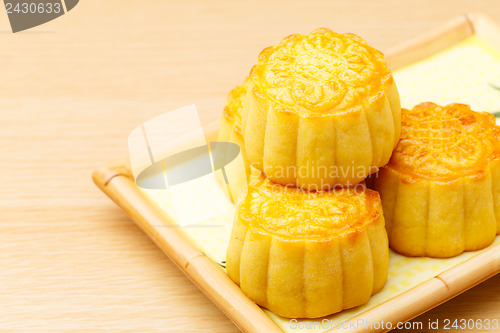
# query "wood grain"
(118, 183)
(72, 90)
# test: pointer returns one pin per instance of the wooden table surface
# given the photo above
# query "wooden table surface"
(72, 90)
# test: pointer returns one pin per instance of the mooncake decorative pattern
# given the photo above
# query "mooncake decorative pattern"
(308, 254)
(441, 189)
(321, 110)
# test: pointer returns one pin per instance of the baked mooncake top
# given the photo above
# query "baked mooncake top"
(445, 142)
(294, 212)
(320, 73)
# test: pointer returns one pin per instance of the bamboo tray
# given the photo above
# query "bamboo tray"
(118, 183)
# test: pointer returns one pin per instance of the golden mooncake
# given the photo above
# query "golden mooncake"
(230, 131)
(320, 110)
(441, 189)
(308, 254)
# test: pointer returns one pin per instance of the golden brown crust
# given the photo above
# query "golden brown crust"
(321, 110)
(234, 105)
(293, 212)
(304, 259)
(320, 73)
(440, 192)
(445, 143)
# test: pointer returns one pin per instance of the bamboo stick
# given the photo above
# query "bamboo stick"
(429, 43)
(209, 277)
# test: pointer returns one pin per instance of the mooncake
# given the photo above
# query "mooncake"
(230, 131)
(441, 189)
(307, 254)
(320, 110)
